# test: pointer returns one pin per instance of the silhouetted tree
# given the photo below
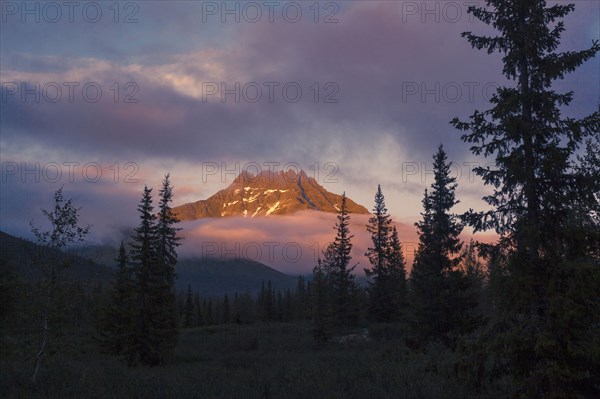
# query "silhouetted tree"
(387, 265)
(437, 286)
(144, 259)
(268, 302)
(226, 314)
(118, 321)
(199, 312)
(397, 275)
(548, 313)
(379, 226)
(287, 305)
(64, 231)
(153, 254)
(302, 299)
(333, 291)
(336, 261)
(165, 327)
(472, 268)
(322, 306)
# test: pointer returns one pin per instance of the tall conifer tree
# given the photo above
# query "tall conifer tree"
(436, 285)
(118, 321)
(387, 265)
(397, 273)
(144, 259)
(165, 326)
(153, 255)
(548, 313)
(338, 262)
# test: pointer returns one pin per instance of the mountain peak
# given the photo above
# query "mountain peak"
(267, 177)
(267, 193)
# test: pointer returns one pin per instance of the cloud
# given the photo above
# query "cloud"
(109, 207)
(384, 63)
(399, 78)
(290, 243)
(293, 243)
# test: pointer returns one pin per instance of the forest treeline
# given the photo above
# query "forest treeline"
(525, 309)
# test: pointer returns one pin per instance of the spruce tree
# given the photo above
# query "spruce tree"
(426, 281)
(437, 287)
(470, 280)
(397, 275)
(279, 307)
(547, 319)
(198, 309)
(472, 268)
(379, 227)
(583, 222)
(144, 260)
(287, 306)
(118, 321)
(387, 265)
(165, 326)
(470, 262)
(301, 299)
(337, 260)
(226, 315)
(168, 241)
(269, 303)
(321, 300)
(154, 257)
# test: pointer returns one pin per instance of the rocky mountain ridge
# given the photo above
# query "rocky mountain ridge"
(266, 194)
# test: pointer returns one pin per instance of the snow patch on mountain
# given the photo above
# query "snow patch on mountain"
(267, 194)
(272, 208)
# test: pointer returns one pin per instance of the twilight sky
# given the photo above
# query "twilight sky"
(108, 98)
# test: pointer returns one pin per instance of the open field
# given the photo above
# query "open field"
(250, 361)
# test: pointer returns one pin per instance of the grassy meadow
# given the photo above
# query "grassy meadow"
(275, 360)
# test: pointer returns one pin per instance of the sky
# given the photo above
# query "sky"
(103, 98)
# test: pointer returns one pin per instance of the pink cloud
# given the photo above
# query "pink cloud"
(291, 243)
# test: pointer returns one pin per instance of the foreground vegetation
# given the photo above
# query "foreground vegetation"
(262, 360)
(524, 326)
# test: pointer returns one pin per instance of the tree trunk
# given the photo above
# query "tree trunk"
(42, 351)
